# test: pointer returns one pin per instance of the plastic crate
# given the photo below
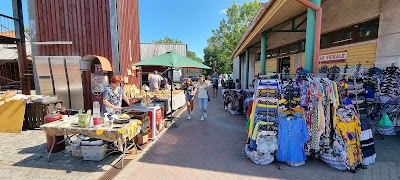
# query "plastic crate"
(94, 153)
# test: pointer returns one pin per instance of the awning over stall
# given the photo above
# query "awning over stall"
(105, 63)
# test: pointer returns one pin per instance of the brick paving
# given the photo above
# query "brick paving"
(24, 156)
(213, 149)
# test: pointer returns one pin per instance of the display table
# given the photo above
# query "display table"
(120, 133)
(178, 100)
(156, 115)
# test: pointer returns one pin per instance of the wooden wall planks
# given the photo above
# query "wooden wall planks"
(87, 25)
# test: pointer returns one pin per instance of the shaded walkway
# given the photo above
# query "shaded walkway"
(213, 149)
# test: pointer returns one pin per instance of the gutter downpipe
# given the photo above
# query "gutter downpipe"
(317, 34)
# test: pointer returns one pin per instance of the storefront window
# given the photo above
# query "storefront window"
(274, 52)
(268, 54)
(325, 41)
(343, 36)
(370, 29)
(283, 50)
(294, 47)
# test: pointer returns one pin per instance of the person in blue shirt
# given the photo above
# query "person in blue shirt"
(215, 79)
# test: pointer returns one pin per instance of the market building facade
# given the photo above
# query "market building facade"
(79, 45)
(352, 32)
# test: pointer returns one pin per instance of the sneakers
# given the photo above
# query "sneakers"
(189, 117)
(191, 113)
(205, 115)
(202, 118)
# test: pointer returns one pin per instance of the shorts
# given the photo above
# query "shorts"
(189, 97)
(215, 86)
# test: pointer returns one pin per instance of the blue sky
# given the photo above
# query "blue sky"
(188, 20)
(6, 8)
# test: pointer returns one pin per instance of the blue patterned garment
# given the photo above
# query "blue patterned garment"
(291, 139)
(115, 98)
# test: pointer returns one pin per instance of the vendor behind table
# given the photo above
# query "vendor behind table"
(113, 96)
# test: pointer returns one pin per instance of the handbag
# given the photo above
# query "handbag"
(208, 97)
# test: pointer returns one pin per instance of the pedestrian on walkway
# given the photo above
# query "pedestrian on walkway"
(215, 78)
(201, 91)
(188, 87)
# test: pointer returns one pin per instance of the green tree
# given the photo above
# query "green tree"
(168, 40)
(224, 39)
(192, 55)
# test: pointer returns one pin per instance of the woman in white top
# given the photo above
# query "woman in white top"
(201, 90)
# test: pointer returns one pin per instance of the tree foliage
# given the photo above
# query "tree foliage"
(168, 40)
(224, 39)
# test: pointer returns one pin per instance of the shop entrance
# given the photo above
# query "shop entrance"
(284, 65)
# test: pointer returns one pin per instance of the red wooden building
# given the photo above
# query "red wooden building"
(65, 32)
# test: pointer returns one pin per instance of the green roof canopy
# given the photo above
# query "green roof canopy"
(171, 59)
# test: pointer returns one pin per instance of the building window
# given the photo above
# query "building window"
(325, 41)
(274, 52)
(293, 48)
(343, 36)
(268, 54)
(369, 29)
(283, 50)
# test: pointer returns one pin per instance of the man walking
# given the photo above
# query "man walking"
(215, 84)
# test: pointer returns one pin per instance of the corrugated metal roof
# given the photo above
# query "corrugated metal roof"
(149, 50)
(8, 52)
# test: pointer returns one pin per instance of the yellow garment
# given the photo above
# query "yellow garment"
(263, 91)
(353, 149)
(284, 101)
(253, 111)
(267, 106)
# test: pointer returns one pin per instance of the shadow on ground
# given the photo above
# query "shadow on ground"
(37, 158)
(217, 145)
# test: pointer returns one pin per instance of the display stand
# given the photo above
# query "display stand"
(156, 115)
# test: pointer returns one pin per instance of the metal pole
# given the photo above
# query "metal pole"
(21, 47)
(310, 35)
(240, 70)
(263, 57)
(315, 6)
(247, 67)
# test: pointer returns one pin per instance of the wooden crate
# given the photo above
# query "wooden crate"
(35, 113)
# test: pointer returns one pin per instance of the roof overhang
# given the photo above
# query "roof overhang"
(105, 63)
(275, 12)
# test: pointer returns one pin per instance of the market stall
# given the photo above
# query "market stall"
(29, 110)
(332, 115)
(172, 60)
(120, 133)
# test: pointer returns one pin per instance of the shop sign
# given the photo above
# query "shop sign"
(337, 57)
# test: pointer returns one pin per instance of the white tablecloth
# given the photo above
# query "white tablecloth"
(178, 101)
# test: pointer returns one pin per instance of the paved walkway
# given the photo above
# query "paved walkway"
(213, 149)
(24, 156)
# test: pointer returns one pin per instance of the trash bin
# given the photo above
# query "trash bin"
(59, 140)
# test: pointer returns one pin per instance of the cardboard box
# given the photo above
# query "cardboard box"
(94, 153)
(142, 139)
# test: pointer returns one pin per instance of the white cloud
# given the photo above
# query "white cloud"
(223, 11)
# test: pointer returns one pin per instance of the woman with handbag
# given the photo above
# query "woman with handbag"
(201, 90)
